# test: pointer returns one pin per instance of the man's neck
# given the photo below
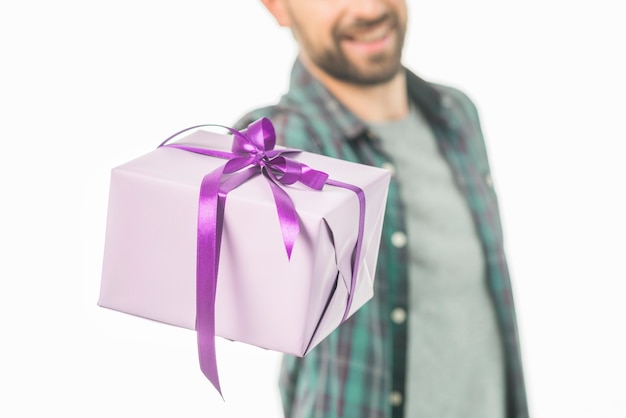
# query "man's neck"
(379, 103)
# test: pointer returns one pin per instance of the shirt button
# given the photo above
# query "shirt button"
(398, 315)
(446, 101)
(389, 167)
(398, 239)
(489, 181)
(395, 398)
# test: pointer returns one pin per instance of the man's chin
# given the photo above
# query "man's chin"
(363, 71)
(374, 69)
(372, 75)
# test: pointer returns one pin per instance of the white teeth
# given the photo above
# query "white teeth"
(373, 35)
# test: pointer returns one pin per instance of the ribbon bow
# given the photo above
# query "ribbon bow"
(254, 148)
(252, 153)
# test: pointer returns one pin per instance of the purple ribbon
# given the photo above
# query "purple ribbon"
(252, 153)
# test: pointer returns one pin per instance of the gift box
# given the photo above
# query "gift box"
(267, 295)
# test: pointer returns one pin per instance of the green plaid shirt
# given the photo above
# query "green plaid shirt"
(355, 370)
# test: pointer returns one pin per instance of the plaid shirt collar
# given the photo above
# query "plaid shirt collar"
(315, 97)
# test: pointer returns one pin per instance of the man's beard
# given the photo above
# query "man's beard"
(379, 68)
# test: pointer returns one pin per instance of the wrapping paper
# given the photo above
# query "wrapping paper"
(266, 295)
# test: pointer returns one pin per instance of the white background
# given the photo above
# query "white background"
(85, 86)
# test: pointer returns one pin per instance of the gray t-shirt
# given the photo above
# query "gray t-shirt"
(455, 358)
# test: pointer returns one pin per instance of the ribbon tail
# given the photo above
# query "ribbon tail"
(356, 254)
(213, 192)
(210, 214)
(287, 217)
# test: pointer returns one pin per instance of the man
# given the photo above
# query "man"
(439, 338)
